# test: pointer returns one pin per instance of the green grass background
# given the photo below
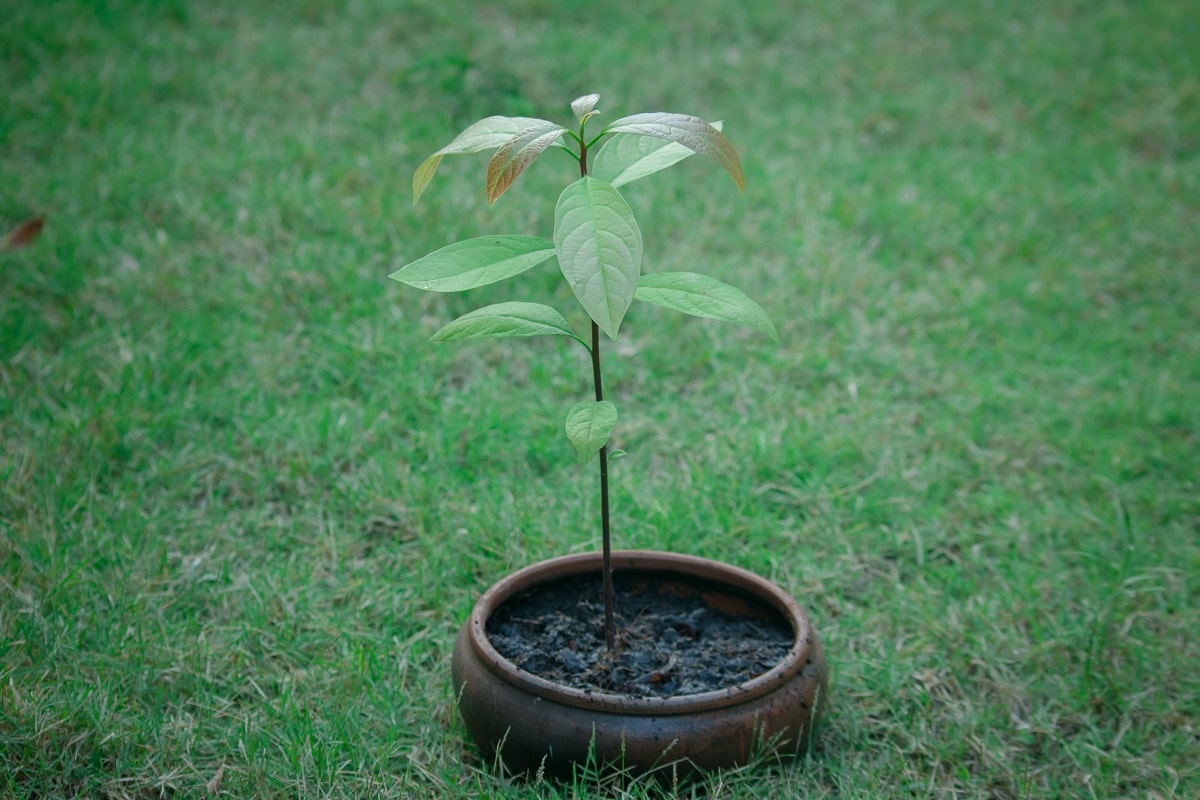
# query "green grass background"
(244, 505)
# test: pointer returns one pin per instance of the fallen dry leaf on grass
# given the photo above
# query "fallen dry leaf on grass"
(214, 786)
(24, 234)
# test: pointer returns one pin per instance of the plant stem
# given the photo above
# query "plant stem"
(610, 624)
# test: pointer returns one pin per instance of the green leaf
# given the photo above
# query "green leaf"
(518, 153)
(485, 134)
(624, 159)
(589, 425)
(599, 248)
(505, 320)
(702, 296)
(584, 107)
(691, 132)
(475, 262)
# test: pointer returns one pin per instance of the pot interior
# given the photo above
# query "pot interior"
(677, 634)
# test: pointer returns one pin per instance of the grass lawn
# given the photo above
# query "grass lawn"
(244, 505)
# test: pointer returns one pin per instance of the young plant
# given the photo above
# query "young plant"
(598, 246)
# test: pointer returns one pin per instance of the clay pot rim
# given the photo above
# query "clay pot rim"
(647, 561)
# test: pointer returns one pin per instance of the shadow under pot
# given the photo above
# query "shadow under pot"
(555, 701)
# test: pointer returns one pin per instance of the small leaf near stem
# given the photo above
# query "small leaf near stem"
(588, 426)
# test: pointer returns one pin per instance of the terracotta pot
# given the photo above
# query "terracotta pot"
(537, 724)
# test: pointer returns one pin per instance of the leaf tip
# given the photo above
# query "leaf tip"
(423, 175)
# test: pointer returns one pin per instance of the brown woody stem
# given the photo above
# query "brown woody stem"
(610, 624)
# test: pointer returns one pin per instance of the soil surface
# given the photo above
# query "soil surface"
(675, 636)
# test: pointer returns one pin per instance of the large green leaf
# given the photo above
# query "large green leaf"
(518, 153)
(691, 132)
(625, 158)
(589, 425)
(505, 320)
(487, 133)
(702, 296)
(475, 262)
(599, 249)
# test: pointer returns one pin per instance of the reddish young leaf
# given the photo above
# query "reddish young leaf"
(485, 134)
(518, 153)
(24, 234)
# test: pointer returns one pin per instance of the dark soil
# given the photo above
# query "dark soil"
(675, 636)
